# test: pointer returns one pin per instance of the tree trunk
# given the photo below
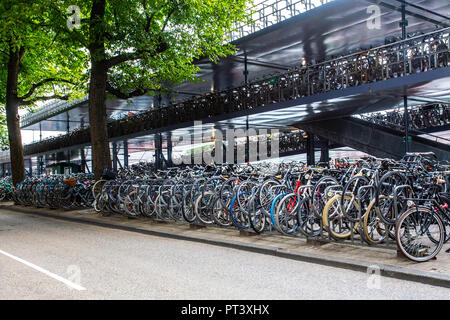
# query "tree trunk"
(101, 156)
(12, 116)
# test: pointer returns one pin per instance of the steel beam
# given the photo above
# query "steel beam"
(247, 61)
(410, 13)
(424, 9)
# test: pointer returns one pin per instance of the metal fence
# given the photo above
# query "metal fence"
(265, 13)
(420, 118)
(49, 110)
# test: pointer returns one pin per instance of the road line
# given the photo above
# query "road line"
(48, 273)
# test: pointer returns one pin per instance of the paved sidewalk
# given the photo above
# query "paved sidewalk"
(435, 272)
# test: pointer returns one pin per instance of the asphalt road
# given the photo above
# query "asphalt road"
(44, 258)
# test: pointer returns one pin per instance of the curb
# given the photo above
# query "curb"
(424, 277)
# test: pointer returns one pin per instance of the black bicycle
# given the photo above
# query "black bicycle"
(422, 230)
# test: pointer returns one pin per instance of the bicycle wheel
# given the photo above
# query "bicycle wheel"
(420, 234)
(226, 192)
(286, 214)
(203, 207)
(176, 202)
(258, 219)
(97, 187)
(308, 223)
(161, 207)
(319, 198)
(268, 190)
(239, 218)
(374, 229)
(335, 221)
(386, 187)
(273, 207)
(131, 203)
(188, 206)
(220, 214)
(351, 189)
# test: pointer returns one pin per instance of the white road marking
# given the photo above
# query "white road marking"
(48, 273)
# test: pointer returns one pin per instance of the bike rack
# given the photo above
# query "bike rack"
(404, 186)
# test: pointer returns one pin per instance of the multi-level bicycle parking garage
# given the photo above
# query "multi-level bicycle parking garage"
(330, 71)
(379, 84)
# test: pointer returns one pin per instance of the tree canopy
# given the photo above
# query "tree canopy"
(122, 47)
(48, 69)
(148, 43)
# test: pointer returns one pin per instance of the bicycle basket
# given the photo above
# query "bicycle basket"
(70, 182)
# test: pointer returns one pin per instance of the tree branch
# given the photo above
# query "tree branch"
(43, 98)
(150, 18)
(121, 95)
(41, 83)
(137, 55)
(111, 62)
(21, 53)
(167, 19)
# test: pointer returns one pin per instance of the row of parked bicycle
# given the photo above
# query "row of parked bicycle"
(55, 191)
(371, 200)
(422, 117)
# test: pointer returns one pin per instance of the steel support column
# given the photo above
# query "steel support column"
(114, 150)
(406, 117)
(125, 153)
(310, 157)
(245, 69)
(30, 167)
(247, 145)
(39, 168)
(405, 98)
(169, 149)
(161, 155)
(247, 142)
(83, 160)
(324, 150)
(158, 151)
(68, 123)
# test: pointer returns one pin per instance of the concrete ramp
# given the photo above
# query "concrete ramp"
(376, 140)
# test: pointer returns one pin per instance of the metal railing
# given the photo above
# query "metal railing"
(49, 110)
(265, 13)
(423, 117)
(420, 117)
